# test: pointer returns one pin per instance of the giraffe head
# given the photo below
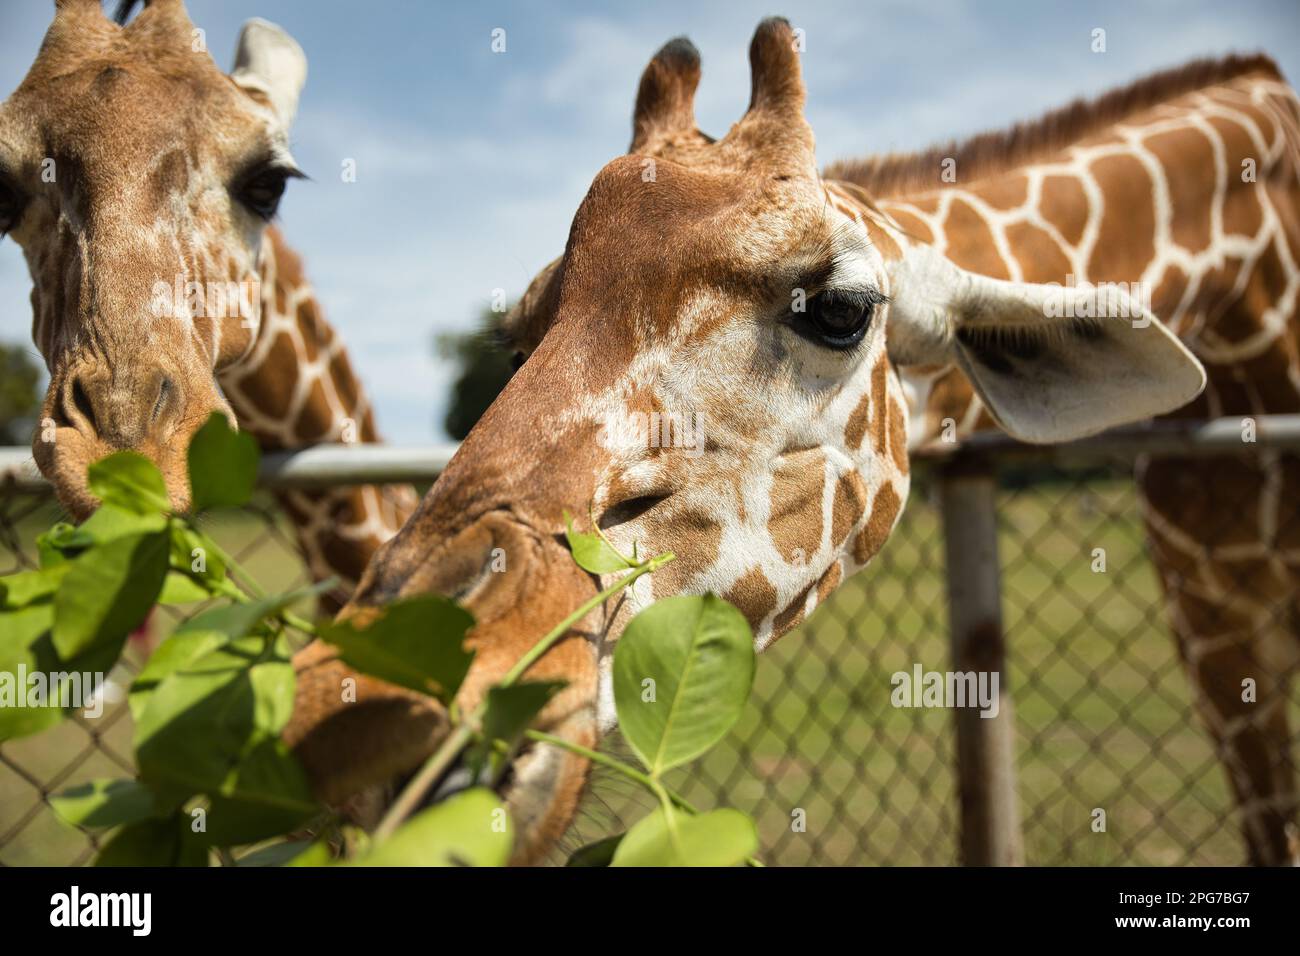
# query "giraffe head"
(709, 372)
(139, 178)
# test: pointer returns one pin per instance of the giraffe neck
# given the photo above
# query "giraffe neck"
(1187, 202)
(295, 387)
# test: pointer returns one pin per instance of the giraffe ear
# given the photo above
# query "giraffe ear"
(269, 62)
(1052, 363)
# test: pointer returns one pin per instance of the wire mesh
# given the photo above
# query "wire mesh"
(830, 769)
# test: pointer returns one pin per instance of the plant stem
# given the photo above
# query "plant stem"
(246, 581)
(429, 774)
(545, 644)
(442, 759)
(613, 763)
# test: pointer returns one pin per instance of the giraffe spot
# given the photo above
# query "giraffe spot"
(705, 537)
(1005, 192)
(753, 595)
(792, 616)
(1169, 293)
(1188, 162)
(1219, 507)
(316, 335)
(1250, 113)
(1270, 371)
(1239, 321)
(950, 397)
(848, 506)
(1064, 204)
(970, 241)
(795, 520)
(1039, 255)
(271, 392)
(1126, 239)
(910, 223)
(345, 382)
(315, 421)
(281, 299)
(856, 429)
(884, 511)
(898, 436)
(829, 581)
(879, 411)
(883, 242)
(345, 556)
(927, 204)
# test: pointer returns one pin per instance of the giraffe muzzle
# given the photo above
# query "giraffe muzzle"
(359, 749)
(95, 408)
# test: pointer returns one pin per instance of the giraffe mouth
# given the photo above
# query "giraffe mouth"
(536, 786)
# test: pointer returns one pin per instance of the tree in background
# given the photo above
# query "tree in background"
(485, 367)
(19, 399)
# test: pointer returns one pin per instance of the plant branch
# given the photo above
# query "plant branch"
(445, 756)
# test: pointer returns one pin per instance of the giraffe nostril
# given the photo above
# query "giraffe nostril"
(81, 405)
(165, 388)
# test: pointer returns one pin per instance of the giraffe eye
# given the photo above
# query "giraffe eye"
(838, 318)
(261, 192)
(10, 207)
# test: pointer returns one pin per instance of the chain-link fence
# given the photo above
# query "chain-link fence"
(1099, 754)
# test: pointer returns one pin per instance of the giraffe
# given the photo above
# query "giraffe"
(724, 287)
(141, 182)
(1185, 183)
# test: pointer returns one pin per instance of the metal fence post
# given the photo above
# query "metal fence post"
(986, 777)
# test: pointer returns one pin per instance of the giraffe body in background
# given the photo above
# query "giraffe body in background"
(116, 184)
(296, 387)
(1185, 184)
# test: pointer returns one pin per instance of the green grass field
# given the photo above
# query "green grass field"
(1101, 708)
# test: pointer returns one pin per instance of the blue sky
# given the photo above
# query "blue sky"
(470, 164)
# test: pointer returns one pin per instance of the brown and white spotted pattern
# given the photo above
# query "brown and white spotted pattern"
(294, 387)
(1196, 198)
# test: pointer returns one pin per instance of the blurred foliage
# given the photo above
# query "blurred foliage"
(20, 399)
(485, 365)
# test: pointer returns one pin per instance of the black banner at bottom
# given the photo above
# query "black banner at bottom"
(340, 905)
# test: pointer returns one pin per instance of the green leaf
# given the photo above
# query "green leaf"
(592, 552)
(417, 643)
(223, 465)
(284, 853)
(155, 842)
(470, 829)
(110, 522)
(670, 838)
(180, 588)
(177, 651)
(266, 796)
(21, 626)
(600, 853)
(25, 649)
(207, 716)
(26, 587)
(318, 854)
(192, 547)
(699, 652)
(508, 713)
(104, 803)
(130, 481)
(108, 590)
(207, 631)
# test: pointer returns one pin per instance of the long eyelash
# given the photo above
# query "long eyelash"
(858, 298)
